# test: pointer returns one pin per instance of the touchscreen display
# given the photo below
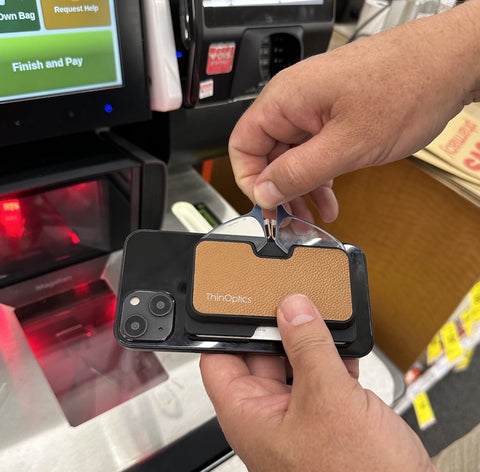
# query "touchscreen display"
(51, 47)
(243, 3)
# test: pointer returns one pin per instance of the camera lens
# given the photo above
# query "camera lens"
(135, 326)
(161, 304)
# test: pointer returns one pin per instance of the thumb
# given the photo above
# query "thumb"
(309, 345)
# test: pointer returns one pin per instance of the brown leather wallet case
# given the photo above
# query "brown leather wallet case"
(229, 279)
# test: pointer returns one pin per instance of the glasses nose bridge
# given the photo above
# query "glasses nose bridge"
(269, 225)
(270, 229)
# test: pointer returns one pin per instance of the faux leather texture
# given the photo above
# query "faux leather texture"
(230, 279)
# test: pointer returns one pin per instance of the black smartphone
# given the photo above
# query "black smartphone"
(181, 292)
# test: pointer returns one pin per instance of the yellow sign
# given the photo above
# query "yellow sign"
(466, 318)
(451, 342)
(463, 365)
(434, 349)
(475, 294)
(423, 410)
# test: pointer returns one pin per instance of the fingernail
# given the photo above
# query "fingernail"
(329, 210)
(267, 194)
(297, 309)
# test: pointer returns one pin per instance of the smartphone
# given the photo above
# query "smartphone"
(180, 291)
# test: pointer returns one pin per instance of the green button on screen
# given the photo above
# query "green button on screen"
(56, 62)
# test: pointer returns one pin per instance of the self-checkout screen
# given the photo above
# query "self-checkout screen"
(52, 47)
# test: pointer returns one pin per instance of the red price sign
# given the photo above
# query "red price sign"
(220, 58)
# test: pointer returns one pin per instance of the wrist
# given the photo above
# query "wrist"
(474, 19)
(442, 53)
(462, 40)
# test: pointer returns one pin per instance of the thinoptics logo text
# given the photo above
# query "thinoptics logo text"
(228, 298)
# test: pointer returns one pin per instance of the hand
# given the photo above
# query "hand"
(324, 422)
(370, 102)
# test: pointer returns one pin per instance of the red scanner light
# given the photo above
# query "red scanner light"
(11, 218)
(73, 237)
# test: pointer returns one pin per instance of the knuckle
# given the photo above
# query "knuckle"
(293, 173)
(308, 342)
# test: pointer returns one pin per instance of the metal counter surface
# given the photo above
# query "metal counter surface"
(35, 435)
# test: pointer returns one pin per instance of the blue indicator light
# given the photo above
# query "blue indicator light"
(108, 108)
(179, 54)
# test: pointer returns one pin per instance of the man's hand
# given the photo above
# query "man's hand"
(324, 422)
(370, 102)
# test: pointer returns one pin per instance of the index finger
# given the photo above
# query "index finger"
(219, 371)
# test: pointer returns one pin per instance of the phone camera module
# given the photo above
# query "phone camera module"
(135, 326)
(161, 304)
